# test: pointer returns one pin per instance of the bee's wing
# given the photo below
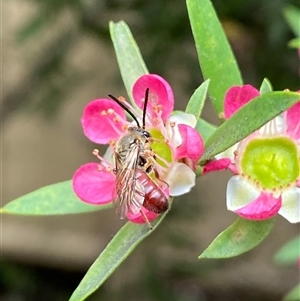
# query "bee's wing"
(130, 193)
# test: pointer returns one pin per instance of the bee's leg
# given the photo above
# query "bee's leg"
(157, 176)
(142, 161)
(146, 220)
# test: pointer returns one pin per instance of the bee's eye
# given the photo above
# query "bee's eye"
(146, 134)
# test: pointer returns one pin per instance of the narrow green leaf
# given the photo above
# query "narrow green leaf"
(289, 253)
(294, 43)
(205, 128)
(266, 86)
(216, 59)
(129, 58)
(33, 27)
(248, 119)
(293, 295)
(292, 16)
(196, 102)
(122, 244)
(54, 199)
(242, 236)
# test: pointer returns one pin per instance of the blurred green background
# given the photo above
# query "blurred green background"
(56, 57)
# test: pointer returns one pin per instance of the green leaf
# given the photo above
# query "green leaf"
(122, 244)
(289, 253)
(130, 61)
(205, 128)
(242, 236)
(294, 43)
(248, 119)
(196, 102)
(216, 59)
(293, 295)
(32, 27)
(54, 199)
(266, 86)
(292, 16)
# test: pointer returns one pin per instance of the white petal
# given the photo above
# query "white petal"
(229, 153)
(291, 205)
(183, 118)
(240, 193)
(108, 156)
(181, 179)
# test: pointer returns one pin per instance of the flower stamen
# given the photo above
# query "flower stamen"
(104, 162)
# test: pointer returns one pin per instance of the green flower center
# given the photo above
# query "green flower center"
(160, 147)
(272, 162)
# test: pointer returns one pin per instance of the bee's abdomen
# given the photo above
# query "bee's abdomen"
(154, 198)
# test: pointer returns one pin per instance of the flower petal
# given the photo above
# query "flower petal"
(160, 95)
(192, 145)
(180, 117)
(216, 165)
(102, 121)
(293, 120)
(240, 193)
(94, 186)
(263, 207)
(290, 209)
(138, 218)
(236, 97)
(180, 178)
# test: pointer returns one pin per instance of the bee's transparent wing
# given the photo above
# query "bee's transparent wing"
(130, 193)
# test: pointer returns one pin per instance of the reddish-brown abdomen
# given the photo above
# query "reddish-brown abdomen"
(154, 200)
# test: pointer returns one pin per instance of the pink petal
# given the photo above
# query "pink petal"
(236, 97)
(160, 95)
(192, 145)
(102, 120)
(293, 120)
(216, 165)
(94, 186)
(138, 218)
(263, 207)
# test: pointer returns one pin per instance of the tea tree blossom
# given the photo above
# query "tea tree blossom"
(175, 143)
(266, 164)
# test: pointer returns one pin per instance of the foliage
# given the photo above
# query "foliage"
(220, 71)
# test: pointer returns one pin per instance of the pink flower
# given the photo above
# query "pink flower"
(266, 164)
(175, 142)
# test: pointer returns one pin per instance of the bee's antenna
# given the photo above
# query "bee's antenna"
(124, 106)
(145, 107)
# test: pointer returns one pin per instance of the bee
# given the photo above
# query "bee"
(133, 158)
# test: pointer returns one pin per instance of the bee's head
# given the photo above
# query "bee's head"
(139, 131)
